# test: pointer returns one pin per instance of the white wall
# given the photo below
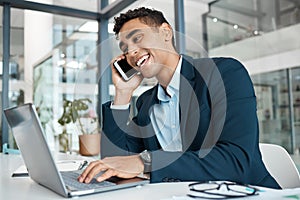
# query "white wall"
(37, 43)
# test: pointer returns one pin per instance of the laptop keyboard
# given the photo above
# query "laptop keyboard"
(70, 179)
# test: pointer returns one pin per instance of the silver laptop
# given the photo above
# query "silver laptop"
(29, 136)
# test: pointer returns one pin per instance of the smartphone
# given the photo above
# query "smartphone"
(124, 69)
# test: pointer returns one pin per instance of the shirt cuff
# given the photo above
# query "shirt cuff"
(119, 107)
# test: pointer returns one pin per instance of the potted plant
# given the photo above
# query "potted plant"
(77, 112)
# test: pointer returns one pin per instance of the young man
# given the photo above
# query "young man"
(198, 123)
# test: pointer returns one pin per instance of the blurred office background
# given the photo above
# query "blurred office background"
(51, 50)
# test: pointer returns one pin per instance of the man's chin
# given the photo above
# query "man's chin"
(147, 75)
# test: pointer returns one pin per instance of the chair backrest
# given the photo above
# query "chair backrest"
(280, 165)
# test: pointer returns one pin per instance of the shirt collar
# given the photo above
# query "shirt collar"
(173, 87)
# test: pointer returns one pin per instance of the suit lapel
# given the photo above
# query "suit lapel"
(150, 141)
(188, 102)
(189, 107)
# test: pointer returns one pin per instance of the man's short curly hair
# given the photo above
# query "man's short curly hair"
(148, 16)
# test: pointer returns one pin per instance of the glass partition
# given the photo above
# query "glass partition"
(16, 93)
(278, 107)
(273, 107)
(295, 88)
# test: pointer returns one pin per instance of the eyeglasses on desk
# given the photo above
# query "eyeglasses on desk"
(220, 190)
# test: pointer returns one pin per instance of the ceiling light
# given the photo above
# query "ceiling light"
(75, 64)
(235, 26)
(215, 19)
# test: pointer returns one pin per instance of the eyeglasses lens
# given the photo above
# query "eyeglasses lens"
(205, 186)
(241, 189)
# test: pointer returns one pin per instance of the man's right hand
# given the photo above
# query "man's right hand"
(120, 166)
(124, 89)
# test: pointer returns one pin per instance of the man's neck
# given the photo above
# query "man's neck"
(168, 71)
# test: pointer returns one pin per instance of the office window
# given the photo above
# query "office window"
(1, 55)
(272, 92)
(295, 96)
(289, 13)
(69, 71)
(278, 107)
(88, 5)
(194, 27)
(16, 63)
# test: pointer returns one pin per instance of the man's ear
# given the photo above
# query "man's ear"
(167, 31)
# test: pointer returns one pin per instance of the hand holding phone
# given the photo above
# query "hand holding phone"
(125, 70)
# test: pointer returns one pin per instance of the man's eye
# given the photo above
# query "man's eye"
(125, 50)
(137, 38)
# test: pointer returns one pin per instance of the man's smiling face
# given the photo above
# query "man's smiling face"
(144, 47)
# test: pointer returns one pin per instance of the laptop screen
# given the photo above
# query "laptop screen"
(29, 136)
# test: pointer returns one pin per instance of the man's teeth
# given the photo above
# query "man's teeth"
(141, 60)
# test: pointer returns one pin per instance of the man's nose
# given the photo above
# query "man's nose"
(132, 51)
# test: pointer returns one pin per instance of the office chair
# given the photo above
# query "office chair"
(280, 165)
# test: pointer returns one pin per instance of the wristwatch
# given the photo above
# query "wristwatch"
(146, 158)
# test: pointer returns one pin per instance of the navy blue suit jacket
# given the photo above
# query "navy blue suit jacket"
(218, 123)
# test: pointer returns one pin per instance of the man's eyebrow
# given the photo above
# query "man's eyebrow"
(131, 33)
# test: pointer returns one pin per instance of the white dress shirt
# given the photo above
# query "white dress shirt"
(165, 115)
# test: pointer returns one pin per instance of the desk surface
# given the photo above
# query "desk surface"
(25, 188)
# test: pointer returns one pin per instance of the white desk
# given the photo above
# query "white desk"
(20, 188)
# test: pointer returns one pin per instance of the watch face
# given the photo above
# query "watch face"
(146, 156)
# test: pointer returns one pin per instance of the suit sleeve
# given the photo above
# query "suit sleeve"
(117, 137)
